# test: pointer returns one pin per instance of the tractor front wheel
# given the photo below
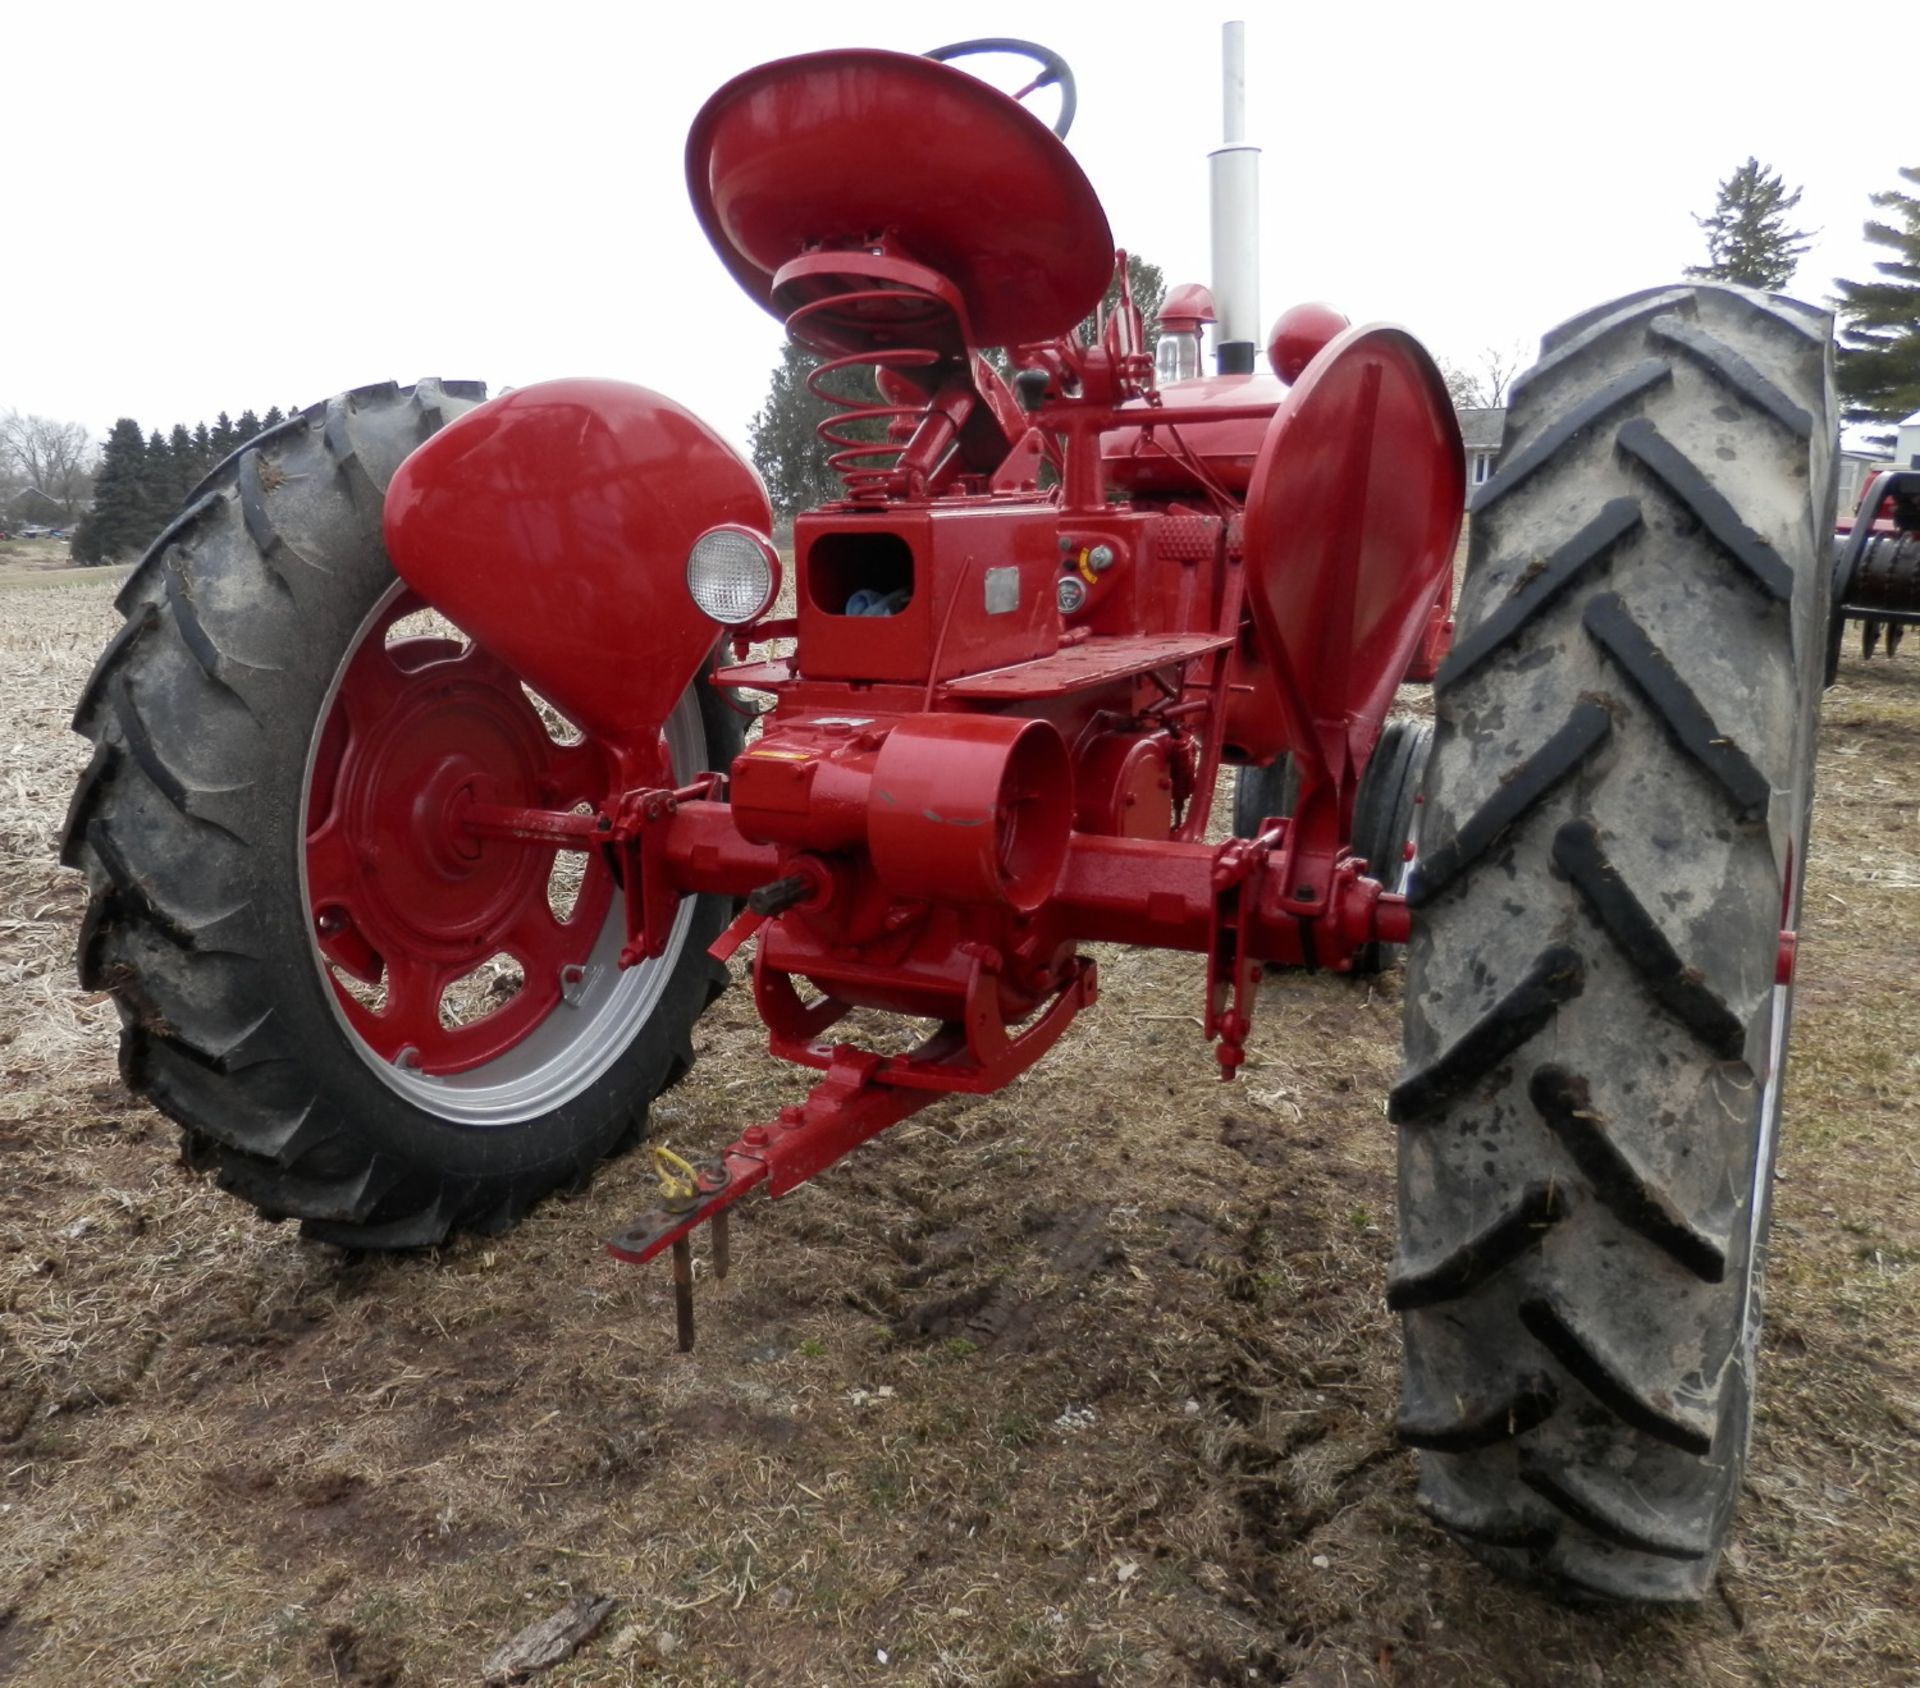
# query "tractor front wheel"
(1596, 1018)
(364, 1015)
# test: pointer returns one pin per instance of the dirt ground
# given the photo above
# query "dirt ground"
(1086, 1385)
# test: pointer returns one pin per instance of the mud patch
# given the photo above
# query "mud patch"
(1015, 1307)
(351, 1659)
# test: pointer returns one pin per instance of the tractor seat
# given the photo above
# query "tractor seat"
(974, 209)
(865, 301)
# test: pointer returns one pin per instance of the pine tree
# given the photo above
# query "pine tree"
(246, 428)
(156, 479)
(202, 448)
(184, 464)
(1748, 241)
(116, 526)
(1149, 287)
(791, 457)
(1879, 370)
(272, 419)
(225, 438)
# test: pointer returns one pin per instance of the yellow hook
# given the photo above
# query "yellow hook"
(678, 1180)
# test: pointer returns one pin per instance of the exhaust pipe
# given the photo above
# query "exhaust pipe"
(1235, 175)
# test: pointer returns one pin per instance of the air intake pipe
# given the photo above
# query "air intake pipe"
(1235, 177)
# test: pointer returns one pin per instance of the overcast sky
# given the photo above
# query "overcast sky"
(220, 206)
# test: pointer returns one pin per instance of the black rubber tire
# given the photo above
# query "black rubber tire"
(202, 709)
(1384, 809)
(1845, 566)
(1385, 813)
(1264, 794)
(1615, 818)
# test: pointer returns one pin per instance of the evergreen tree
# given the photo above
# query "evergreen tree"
(202, 448)
(246, 428)
(272, 419)
(1148, 284)
(791, 457)
(1748, 240)
(225, 438)
(1879, 370)
(157, 478)
(116, 526)
(184, 462)
(1149, 288)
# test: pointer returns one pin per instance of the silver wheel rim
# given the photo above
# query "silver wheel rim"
(587, 1031)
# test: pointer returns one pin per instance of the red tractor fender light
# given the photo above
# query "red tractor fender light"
(972, 809)
(733, 574)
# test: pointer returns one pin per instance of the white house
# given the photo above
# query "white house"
(1852, 471)
(1481, 435)
(1906, 450)
(1857, 467)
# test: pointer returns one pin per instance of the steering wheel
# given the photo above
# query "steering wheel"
(1053, 69)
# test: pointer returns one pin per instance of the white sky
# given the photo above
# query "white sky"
(220, 206)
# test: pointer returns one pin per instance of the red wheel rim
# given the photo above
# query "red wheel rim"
(399, 894)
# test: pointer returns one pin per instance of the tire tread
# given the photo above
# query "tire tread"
(1584, 1204)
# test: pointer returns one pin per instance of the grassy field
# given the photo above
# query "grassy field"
(1085, 1385)
(47, 562)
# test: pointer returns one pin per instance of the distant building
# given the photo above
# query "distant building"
(1481, 435)
(1856, 468)
(1853, 470)
(30, 504)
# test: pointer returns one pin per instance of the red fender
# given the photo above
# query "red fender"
(553, 525)
(1352, 516)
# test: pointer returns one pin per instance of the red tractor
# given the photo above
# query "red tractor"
(409, 916)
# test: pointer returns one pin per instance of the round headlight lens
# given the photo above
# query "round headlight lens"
(732, 574)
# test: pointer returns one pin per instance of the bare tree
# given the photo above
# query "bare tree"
(1498, 366)
(1488, 387)
(53, 458)
(1463, 389)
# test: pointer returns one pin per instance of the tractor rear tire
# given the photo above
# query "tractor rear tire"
(1614, 831)
(209, 712)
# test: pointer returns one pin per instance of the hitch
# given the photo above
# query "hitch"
(1259, 911)
(840, 1113)
(860, 1095)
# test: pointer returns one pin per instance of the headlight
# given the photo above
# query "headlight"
(732, 574)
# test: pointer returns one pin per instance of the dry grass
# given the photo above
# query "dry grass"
(47, 562)
(1085, 1383)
